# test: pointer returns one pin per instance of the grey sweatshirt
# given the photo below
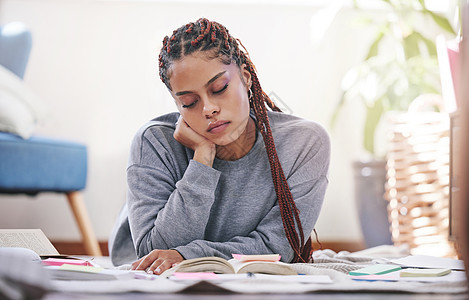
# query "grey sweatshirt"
(177, 203)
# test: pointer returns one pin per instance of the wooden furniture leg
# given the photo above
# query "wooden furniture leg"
(75, 199)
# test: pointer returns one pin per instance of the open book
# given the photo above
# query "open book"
(33, 239)
(233, 266)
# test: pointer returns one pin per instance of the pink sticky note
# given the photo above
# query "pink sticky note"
(261, 257)
(195, 275)
(61, 261)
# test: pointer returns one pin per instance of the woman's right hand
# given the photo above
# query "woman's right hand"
(158, 261)
(204, 150)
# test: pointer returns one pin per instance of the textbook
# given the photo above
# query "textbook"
(219, 265)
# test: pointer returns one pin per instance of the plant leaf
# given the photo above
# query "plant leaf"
(373, 115)
(422, 3)
(431, 47)
(373, 51)
(441, 21)
(411, 45)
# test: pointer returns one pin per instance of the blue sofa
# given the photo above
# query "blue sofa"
(39, 164)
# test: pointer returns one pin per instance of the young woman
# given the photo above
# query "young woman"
(224, 175)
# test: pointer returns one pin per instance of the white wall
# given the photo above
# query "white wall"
(94, 63)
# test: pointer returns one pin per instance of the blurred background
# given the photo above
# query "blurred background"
(93, 65)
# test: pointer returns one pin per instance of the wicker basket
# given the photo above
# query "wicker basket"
(417, 186)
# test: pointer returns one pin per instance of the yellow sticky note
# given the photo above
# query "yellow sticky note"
(78, 268)
(424, 272)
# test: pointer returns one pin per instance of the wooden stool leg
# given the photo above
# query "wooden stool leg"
(75, 199)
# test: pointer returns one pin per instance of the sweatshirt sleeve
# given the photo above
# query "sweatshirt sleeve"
(308, 181)
(166, 209)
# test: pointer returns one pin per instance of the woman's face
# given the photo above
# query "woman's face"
(212, 97)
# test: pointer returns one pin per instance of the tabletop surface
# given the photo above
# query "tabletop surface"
(211, 292)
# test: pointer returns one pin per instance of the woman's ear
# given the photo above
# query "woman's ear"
(246, 76)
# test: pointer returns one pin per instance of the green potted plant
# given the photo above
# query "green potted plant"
(401, 64)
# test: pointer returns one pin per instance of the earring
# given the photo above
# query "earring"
(250, 95)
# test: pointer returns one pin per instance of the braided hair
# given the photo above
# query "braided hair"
(214, 39)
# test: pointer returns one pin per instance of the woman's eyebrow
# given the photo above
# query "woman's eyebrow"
(215, 78)
(208, 82)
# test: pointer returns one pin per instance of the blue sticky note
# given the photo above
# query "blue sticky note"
(378, 269)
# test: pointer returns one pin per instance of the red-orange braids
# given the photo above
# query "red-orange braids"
(204, 35)
(288, 210)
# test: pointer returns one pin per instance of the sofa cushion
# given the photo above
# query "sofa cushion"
(41, 164)
(20, 109)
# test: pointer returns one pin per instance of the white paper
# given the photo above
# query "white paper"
(57, 273)
(454, 276)
(425, 261)
(266, 277)
(295, 278)
(23, 253)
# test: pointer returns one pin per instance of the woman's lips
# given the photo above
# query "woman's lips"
(218, 126)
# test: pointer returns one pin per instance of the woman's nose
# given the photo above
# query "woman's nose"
(210, 108)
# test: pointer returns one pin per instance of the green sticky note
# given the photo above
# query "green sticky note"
(411, 272)
(378, 269)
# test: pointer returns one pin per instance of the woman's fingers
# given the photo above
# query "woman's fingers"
(159, 266)
(157, 261)
(145, 261)
(185, 135)
(135, 264)
(155, 267)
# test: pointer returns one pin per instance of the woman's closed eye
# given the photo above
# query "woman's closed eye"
(190, 104)
(216, 92)
(221, 90)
